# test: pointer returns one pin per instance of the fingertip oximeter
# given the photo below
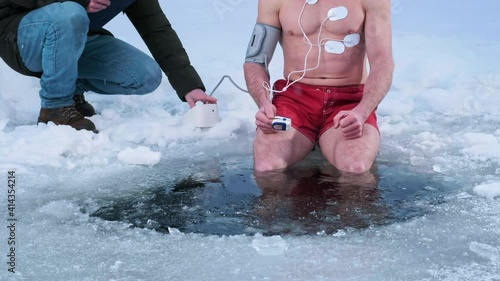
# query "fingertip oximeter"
(281, 123)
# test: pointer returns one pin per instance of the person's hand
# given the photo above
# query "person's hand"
(97, 5)
(264, 118)
(350, 122)
(198, 95)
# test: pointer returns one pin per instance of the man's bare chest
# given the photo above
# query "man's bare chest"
(331, 17)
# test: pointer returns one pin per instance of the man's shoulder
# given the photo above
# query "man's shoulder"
(271, 4)
(379, 4)
(269, 12)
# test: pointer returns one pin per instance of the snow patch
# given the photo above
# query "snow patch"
(269, 246)
(488, 190)
(486, 251)
(480, 139)
(141, 155)
(483, 152)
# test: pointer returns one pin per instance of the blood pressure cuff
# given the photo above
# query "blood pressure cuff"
(262, 44)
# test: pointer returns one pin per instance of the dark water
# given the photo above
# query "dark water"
(310, 199)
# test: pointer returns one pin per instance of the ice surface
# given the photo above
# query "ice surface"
(488, 190)
(269, 246)
(86, 203)
(141, 155)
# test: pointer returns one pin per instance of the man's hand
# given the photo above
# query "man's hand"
(350, 122)
(198, 95)
(97, 5)
(264, 118)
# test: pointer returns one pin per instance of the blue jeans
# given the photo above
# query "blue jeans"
(53, 40)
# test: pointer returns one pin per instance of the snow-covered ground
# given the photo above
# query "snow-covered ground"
(436, 215)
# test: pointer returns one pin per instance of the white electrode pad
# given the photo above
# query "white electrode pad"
(311, 1)
(334, 47)
(337, 13)
(351, 40)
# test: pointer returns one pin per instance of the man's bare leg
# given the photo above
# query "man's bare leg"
(279, 150)
(354, 155)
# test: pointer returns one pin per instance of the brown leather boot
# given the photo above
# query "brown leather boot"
(66, 116)
(85, 108)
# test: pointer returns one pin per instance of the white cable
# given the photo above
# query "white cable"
(232, 81)
(303, 71)
(311, 45)
(347, 41)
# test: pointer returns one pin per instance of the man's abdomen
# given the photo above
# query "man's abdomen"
(333, 69)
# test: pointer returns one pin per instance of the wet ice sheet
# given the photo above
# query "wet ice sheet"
(82, 247)
(306, 200)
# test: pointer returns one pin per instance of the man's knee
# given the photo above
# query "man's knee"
(71, 16)
(71, 13)
(354, 167)
(150, 80)
(262, 165)
(264, 161)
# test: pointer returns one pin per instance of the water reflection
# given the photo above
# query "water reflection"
(318, 199)
(224, 199)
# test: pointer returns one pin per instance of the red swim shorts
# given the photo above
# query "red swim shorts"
(312, 108)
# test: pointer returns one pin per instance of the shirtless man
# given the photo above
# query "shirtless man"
(333, 103)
